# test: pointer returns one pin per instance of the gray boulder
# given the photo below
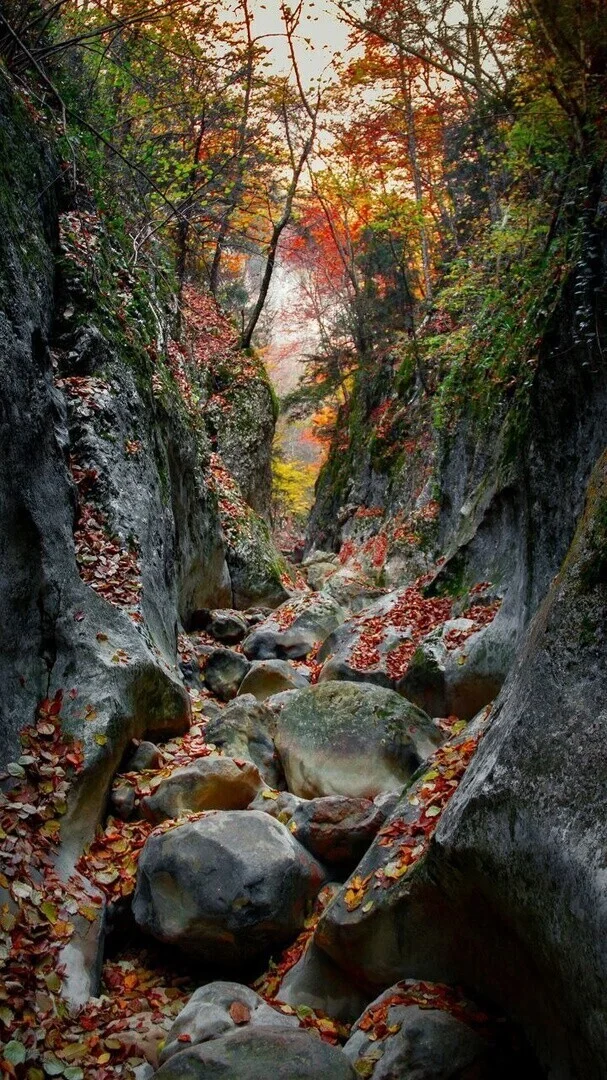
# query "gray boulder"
(228, 627)
(266, 678)
(318, 573)
(460, 681)
(217, 1008)
(257, 1054)
(224, 672)
(210, 783)
(226, 888)
(145, 756)
(352, 739)
(343, 648)
(423, 1044)
(294, 629)
(351, 590)
(245, 729)
(318, 983)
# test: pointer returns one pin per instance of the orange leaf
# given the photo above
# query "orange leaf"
(240, 1013)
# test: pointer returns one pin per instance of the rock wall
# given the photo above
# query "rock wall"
(112, 530)
(509, 899)
(497, 498)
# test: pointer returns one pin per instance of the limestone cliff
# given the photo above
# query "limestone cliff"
(119, 516)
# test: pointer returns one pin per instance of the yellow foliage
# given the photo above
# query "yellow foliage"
(293, 487)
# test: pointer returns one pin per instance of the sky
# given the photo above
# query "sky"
(319, 24)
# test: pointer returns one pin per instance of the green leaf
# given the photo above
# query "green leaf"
(53, 1067)
(14, 1052)
(50, 911)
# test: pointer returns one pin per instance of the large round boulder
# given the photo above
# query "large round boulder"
(245, 729)
(259, 1054)
(210, 783)
(226, 888)
(352, 739)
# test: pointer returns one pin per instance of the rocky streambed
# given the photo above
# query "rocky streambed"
(232, 916)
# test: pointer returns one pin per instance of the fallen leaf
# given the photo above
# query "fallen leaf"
(240, 1013)
(14, 1052)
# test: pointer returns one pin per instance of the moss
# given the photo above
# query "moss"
(451, 580)
(593, 571)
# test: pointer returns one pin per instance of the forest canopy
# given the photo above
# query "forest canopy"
(429, 188)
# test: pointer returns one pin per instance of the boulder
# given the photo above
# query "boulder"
(352, 739)
(245, 729)
(226, 888)
(266, 678)
(350, 590)
(217, 1008)
(279, 804)
(224, 672)
(319, 573)
(123, 799)
(394, 1039)
(145, 756)
(209, 783)
(257, 1054)
(460, 681)
(294, 629)
(337, 829)
(348, 657)
(228, 627)
(319, 984)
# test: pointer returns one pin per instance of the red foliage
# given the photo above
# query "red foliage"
(413, 612)
(104, 564)
(347, 551)
(480, 614)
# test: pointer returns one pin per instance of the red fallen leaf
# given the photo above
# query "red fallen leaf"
(54, 707)
(184, 1037)
(73, 693)
(78, 616)
(241, 1014)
